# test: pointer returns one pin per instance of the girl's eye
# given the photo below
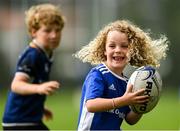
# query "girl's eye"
(124, 46)
(112, 45)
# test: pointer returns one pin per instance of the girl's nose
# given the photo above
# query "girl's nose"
(118, 49)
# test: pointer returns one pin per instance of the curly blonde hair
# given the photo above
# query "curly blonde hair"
(143, 49)
(46, 14)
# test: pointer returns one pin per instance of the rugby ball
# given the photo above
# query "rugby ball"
(146, 77)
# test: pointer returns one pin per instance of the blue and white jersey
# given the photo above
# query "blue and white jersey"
(28, 108)
(101, 82)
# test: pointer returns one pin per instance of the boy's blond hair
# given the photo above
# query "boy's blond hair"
(143, 49)
(43, 14)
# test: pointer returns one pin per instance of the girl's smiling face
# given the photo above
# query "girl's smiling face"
(116, 51)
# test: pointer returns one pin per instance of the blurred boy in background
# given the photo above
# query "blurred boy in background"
(25, 104)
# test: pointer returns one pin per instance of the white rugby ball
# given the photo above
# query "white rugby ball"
(146, 77)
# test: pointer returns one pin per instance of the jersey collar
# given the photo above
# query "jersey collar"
(42, 48)
(119, 77)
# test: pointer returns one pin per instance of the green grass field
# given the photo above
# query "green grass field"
(65, 106)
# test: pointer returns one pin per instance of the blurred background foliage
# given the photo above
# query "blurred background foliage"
(83, 21)
(84, 18)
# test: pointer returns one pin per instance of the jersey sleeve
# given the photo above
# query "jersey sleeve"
(27, 64)
(94, 85)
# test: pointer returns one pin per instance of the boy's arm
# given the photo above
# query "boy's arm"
(21, 85)
(48, 115)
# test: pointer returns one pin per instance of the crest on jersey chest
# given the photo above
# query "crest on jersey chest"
(46, 67)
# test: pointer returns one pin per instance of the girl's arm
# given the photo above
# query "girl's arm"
(129, 98)
(132, 118)
(99, 104)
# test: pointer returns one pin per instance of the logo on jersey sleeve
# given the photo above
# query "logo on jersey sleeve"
(24, 68)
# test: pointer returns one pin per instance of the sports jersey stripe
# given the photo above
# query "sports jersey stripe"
(100, 66)
(108, 70)
(104, 72)
(18, 124)
(103, 69)
(86, 119)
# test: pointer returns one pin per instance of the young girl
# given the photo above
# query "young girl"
(105, 98)
(25, 105)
